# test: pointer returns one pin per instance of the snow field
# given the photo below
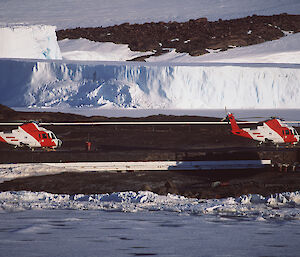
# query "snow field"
(40, 42)
(283, 50)
(83, 50)
(94, 13)
(13, 171)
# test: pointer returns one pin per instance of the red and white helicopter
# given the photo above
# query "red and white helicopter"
(273, 131)
(33, 136)
(30, 135)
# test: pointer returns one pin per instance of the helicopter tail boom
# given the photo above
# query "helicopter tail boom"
(235, 129)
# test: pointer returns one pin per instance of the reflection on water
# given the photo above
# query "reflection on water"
(100, 233)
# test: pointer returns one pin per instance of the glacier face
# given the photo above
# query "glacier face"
(24, 41)
(30, 83)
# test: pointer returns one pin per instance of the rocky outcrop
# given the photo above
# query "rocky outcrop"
(194, 36)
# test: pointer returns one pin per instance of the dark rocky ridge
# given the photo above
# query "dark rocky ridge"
(198, 184)
(9, 115)
(193, 36)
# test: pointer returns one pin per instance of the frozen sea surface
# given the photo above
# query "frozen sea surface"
(146, 224)
(103, 233)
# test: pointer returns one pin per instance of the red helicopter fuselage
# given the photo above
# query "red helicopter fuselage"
(32, 136)
(273, 130)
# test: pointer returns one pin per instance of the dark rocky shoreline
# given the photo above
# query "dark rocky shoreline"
(196, 184)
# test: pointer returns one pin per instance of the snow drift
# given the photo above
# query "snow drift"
(22, 41)
(86, 50)
(37, 83)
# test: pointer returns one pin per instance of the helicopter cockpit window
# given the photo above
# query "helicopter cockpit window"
(44, 136)
(287, 132)
(51, 135)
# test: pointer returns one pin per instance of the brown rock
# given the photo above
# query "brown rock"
(202, 33)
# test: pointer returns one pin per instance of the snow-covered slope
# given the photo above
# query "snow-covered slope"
(36, 42)
(94, 13)
(86, 50)
(283, 50)
(139, 85)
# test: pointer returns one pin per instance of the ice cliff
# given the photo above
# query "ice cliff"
(26, 83)
(35, 42)
(31, 81)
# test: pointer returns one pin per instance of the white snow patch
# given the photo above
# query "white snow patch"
(18, 170)
(35, 42)
(213, 50)
(83, 49)
(12, 171)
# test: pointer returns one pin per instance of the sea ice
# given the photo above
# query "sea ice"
(252, 206)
